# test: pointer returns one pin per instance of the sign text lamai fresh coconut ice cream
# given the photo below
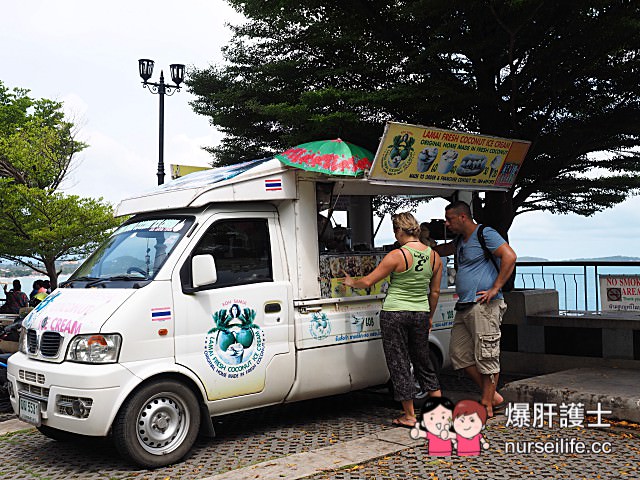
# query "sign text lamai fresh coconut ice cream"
(429, 155)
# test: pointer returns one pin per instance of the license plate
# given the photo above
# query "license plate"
(29, 411)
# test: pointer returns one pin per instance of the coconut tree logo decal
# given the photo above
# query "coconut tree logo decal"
(319, 326)
(399, 154)
(235, 343)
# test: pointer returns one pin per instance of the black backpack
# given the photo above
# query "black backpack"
(509, 284)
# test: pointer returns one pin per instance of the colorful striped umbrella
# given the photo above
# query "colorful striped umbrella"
(335, 157)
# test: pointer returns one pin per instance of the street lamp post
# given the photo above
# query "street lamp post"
(145, 67)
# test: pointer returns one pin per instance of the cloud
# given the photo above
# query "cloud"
(109, 169)
(187, 150)
(562, 237)
(74, 106)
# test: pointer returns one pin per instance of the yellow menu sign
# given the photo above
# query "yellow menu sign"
(428, 155)
(178, 171)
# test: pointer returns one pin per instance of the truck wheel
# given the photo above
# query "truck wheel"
(158, 424)
(434, 356)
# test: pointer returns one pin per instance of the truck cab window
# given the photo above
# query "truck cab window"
(134, 253)
(241, 249)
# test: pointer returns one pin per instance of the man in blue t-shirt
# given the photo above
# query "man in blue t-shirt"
(475, 335)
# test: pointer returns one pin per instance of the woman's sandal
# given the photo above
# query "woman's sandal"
(400, 422)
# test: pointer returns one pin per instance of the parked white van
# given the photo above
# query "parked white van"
(214, 297)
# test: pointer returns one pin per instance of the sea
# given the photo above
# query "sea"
(26, 282)
(578, 286)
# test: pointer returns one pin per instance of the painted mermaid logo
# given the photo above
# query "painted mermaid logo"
(235, 344)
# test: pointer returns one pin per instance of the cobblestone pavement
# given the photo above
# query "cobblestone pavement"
(242, 439)
(260, 435)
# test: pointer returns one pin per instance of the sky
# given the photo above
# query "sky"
(85, 54)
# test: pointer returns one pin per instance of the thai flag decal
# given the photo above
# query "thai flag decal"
(273, 185)
(161, 314)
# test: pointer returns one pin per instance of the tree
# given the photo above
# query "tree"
(37, 143)
(39, 225)
(561, 74)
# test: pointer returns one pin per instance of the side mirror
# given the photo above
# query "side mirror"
(203, 270)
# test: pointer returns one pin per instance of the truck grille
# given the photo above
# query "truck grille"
(33, 391)
(32, 341)
(31, 376)
(48, 343)
(74, 406)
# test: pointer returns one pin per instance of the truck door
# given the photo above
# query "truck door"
(236, 334)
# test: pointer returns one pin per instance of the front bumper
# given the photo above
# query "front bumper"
(86, 404)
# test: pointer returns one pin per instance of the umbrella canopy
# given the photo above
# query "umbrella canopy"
(335, 157)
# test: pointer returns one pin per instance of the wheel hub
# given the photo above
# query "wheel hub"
(161, 424)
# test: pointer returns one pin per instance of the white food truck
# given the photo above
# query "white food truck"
(214, 297)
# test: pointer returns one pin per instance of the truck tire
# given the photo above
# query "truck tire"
(436, 362)
(436, 358)
(158, 424)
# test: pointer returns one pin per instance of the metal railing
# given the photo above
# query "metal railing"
(576, 281)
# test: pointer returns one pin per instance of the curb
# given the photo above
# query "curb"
(14, 425)
(342, 454)
(616, 390)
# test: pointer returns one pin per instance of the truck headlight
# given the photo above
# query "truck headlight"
(95, 348)
(22, 341)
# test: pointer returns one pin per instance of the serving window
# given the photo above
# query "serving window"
(345, 238)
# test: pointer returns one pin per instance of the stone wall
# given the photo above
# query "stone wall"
(537, 338)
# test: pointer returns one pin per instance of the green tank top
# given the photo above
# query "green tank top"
(409, 290)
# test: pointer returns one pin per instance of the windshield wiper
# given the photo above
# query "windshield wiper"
(77, 279)
(124, 278)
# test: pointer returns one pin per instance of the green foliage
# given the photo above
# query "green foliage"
(37, 224)
(561, 74)
(37, 144)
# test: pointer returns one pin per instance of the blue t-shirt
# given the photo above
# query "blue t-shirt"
(475, 272)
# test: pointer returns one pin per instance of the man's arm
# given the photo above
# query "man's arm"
(445, 249)
(507, 263)
(434, 287)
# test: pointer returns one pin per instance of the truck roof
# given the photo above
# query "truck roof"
(264, 179)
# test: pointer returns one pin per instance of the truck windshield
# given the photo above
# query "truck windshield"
(133, 255)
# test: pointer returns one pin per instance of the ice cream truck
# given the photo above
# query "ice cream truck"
(216, 295)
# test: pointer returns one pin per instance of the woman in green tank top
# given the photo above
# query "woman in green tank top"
(407, 313)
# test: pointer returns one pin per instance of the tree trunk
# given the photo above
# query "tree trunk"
(496, 211)
(50, 265)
